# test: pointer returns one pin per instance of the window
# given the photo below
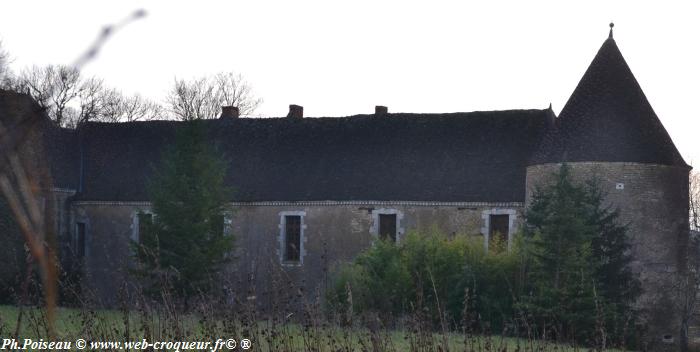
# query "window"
(498, 224)
(387, 227)
(292, 238)
(386, 224)
(80, 240)
(498, 229)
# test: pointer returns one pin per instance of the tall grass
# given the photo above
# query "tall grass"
(291, 318)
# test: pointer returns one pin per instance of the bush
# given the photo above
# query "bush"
(567, 277)
(431, 272)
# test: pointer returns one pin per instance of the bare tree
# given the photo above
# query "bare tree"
(90, 101)
(71, 99)
(4, 65)
(119, 108)
(54, 88)
(202, 98)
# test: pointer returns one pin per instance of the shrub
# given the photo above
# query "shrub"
(431, 272)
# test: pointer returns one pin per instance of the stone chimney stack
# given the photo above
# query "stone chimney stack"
(229, 112)
(296, 111)
(380, 110)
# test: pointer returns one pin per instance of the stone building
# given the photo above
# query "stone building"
(310, 192)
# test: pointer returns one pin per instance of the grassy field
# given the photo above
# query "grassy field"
(114, 325)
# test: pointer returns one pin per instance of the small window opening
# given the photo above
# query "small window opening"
(292, 231)
(498, 231)
(387, 227)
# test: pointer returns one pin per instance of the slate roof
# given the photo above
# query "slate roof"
(608, 118)
(457, 157)
(477, 156)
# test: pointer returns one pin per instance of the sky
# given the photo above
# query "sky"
(343, 58)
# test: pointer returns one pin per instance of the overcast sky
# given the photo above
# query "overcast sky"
(343, 58)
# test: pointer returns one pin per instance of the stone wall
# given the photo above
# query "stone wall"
(334, 232)
(109, 229)
(653, 200)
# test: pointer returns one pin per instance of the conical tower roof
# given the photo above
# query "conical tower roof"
(608, 118)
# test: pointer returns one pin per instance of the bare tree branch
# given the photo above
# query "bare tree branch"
(4, 65)
(71, 100)
(202, 98)
(119, 108)
(233, 90)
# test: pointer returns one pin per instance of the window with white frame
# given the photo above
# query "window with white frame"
(291, 237)
(386, 224)
(498, 227)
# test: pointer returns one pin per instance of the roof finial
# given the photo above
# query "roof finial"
(611, 27)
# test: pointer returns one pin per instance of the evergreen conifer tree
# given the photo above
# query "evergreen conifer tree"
(184, 244)
(580, 279)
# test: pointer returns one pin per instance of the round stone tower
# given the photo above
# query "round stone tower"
(608, 131)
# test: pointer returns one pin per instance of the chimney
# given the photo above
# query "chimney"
(296, 111)
(229, 112)
(380, 110)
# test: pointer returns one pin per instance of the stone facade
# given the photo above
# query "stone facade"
(333, 232)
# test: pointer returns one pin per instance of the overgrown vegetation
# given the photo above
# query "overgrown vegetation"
(433, 273)
(566, 278)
